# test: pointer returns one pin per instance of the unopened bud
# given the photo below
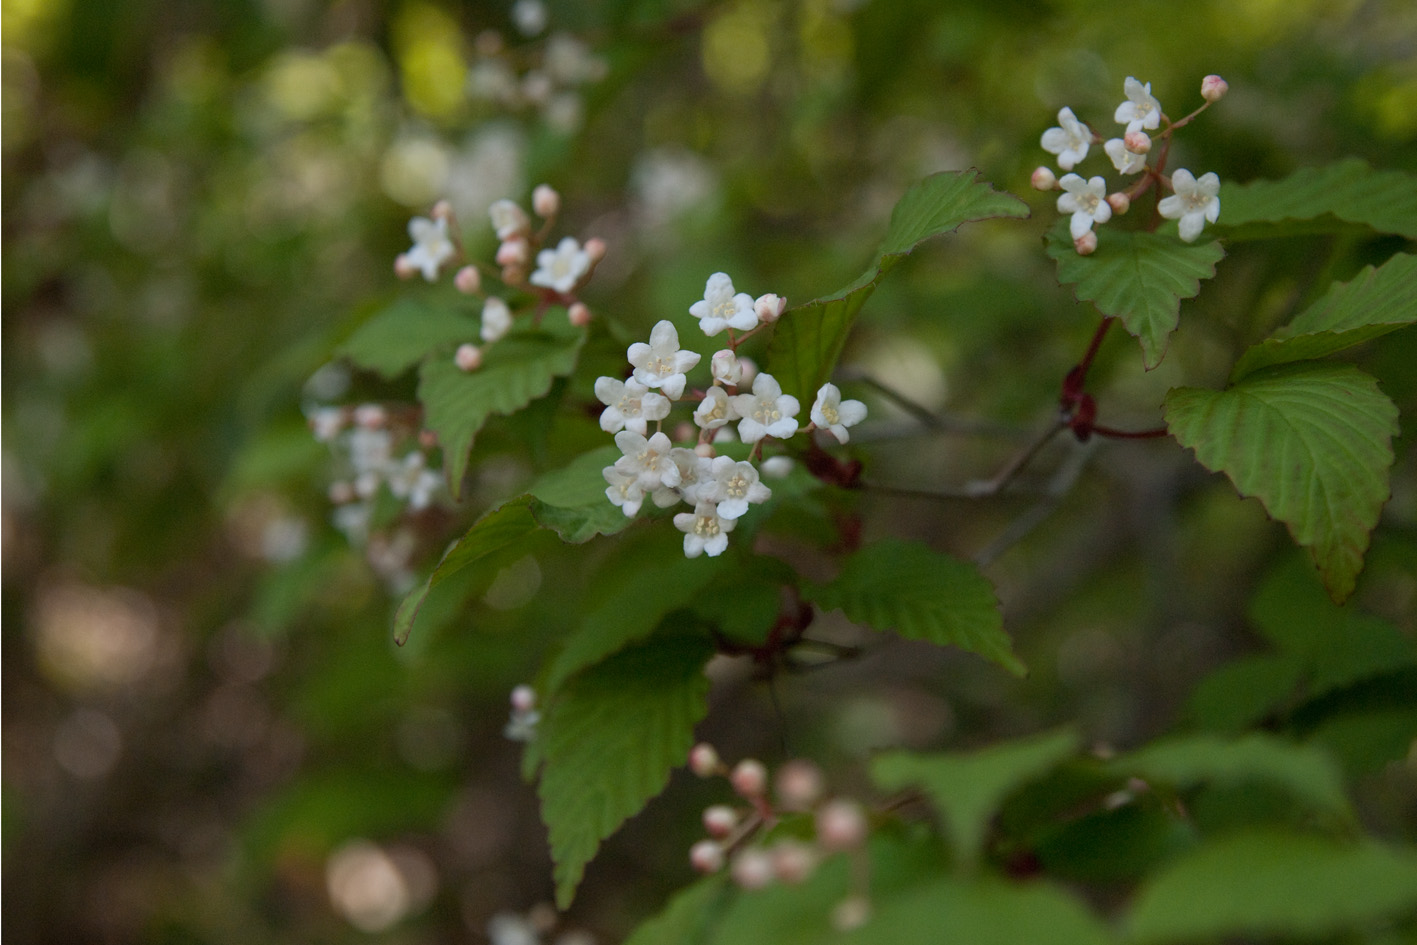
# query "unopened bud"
(749, 778)
(1086, 244)
(468, 281)
(1044, 179)
(705, 450)
(851, 913)
(578, 314)
(508, 219)
(793, 861)
(370, 416)
(750, 371)
(684, 431)
(523, 698)
(442, 210)
(427, 439)
(726, 369)
(514, 275)
(719, 820)
(1137, 142)
(706, 856)
(841, 825)
(545, 202)
(1213, 88)
(341, 492)
(769, 308)
(1119, 202)
(496, 319)
(776, 467)
(596, 249)
(514, 252)
(704, 761)
(468, 357)
(799, 784)
(752, 868)
(404, 267)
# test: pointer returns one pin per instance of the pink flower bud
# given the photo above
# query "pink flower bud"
(793, 861)
(404, 267)
(704, 761)
(370, 416)
(427, 439)
(749, 778)
(514, 275)
(1119, 202)
(799, 784)
(1213, 88)
(1137, 142)
(514, 252)
(523, 698)
(1086, 244)
(684, 431)
(769, 308)
(750, 371)
(442, 210)
(468, 280)
(719, 820)
(578, 314)
(1044, 179)
(726, 369)
(752, 868)
(705, 450)
(468, 357)
(596, 249)
(841, 825)
(341, 492)
(545, 202)
(706, 856)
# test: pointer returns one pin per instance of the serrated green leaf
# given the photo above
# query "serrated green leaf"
(1312, 442)
(404, 333)
(1268, 883)
(1349, 190)
(920, 594)
(610, 739)
(1304, 771)
(686, 919)
(1374, 303)
(1136, 276)
(515, 371)
(808, 340)
(968, 789)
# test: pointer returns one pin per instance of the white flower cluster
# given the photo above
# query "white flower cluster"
(1193, 201)
(546, 78)
(534, 928)
(718, 488)
(364, 440)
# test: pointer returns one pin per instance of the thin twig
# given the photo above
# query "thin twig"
(1058, 487)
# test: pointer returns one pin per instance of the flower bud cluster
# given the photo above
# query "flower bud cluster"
(718, 488)
(1193, 202)
(797, 789)
(544, 78)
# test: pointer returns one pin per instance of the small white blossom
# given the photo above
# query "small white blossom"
(726, 369)
(704, 531)
(624, 490)
(1141, 109)
(496, 319)
(1125, 160)
(560, 269)
(648, 458)
(660, 363)
(715, 410)
(830, 412)
(735, 486)
(509, 220)
(1086, 200)
(370, 450)
(326, 423)
(1070, 141)
(695, 473)
(629, 405)
(529, 16)
(1195, 201)
(431, 246)
(412, 480)
(354, 519)
(721, 308)
(767, 411)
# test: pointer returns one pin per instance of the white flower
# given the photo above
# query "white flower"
(735, 484)
(767, 411)
(660, 363)
(1070, 141)
(830, 412)
(509, 220)
(1195, 201)
(354, 519)
(715, 410)
(628, 405)
(326, 423)
(1125, 160)
(704, 531)
(726, 369)
(561, 268)
(720, 308)
(695, 473)
(1086, 200)
(411, 480)
(370, 450)
(647, 458)
(529, 16)
(508, 929)
(431, 245)
(1141, 109)
(496, 319)
(623, 490)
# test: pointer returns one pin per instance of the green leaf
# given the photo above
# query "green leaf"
(1349, 190)
(686, 919)
(610, 739)
(1374, 303)
(403, 334)
(1312, 442)
(968, 789)
(1242, 692)
(1136, 276)
(515, 371)
(922, 595)
(1269, 883)
(808, 340)
(1306, 772)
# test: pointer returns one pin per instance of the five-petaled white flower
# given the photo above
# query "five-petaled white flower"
(721, 308)
(1086, 200)
(561, 268)
(496, 319)
(647, 458)
(733, 485)
(767, 411)
(1070, 141)
(705, 532)
(831, 413)
(412, 480)
(1141, 109)
(628, 405)
(1195, 201)
(694, 473)
(509, 220)
(715, 410)
(431, 245)
(660, 363)
(624, 490)
(1124, 159)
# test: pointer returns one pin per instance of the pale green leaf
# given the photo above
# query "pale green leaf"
(609, 740)
(1305, 772)
(403, 334)
(687, 917)
(1136, 276)
(1349, 190)
(920, 594)
(808, 340)
(515, 371)
(1312, 442)
(1241, 692)
(1269, 883)
(969, 788)
(1374, 303)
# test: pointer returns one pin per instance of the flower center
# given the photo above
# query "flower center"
(830, 414)
(706, 526)
(767, 413)
(629, 406)
(737, 487)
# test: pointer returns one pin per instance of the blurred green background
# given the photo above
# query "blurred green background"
(208, 733)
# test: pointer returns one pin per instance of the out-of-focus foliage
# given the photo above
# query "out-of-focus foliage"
(208, 732)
